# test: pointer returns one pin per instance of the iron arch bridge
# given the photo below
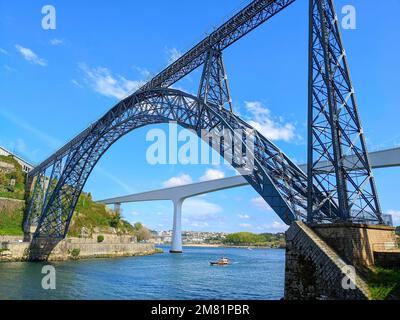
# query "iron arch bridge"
(339, 184)
(274, 176)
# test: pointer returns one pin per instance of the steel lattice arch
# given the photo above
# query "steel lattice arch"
(274, 176)
(334, 188)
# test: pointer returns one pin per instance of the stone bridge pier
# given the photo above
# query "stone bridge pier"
(330, 261)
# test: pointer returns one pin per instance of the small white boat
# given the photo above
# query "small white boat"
(220, 262)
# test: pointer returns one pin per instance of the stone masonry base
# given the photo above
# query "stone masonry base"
(315, 271)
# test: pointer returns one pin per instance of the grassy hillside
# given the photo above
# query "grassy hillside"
(12, 186)
(11, 221)
(90, 215)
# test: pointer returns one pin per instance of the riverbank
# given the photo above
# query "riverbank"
(14, 250)
(207, 245)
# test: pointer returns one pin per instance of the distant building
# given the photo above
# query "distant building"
(188, 237)
(26, 166)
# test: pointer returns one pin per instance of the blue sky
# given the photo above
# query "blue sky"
(56, 82)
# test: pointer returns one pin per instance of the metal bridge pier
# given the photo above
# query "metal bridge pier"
(176, 245)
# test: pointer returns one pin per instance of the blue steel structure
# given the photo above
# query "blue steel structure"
(334, 127)
(57, 183)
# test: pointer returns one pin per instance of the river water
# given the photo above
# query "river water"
(254, 274)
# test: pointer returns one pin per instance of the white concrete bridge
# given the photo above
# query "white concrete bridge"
(379, 159)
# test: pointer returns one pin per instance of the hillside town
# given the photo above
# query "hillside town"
(188, 237)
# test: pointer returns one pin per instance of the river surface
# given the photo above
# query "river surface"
(254, 274)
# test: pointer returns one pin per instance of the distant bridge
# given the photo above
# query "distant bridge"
(378, 159)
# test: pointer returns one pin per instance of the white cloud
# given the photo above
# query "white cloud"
(76, 83)
(21, 148)
(212, 174)
(143, 72)
(56, 42)
(107, 84)
(173, 55)
(260, 203)
(30, 56)
(197, 210)
(245, 225)
(262, 121)
(243, 216)
(395, 215)
(177, 181)
(8, 68)
(3, 51)
(199, 224)
(275, 226)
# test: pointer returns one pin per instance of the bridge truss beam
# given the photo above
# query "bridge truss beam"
(214, 86)
(337, 155)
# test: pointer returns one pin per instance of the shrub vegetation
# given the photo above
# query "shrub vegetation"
(252, 239)
(384, 284)
(7, 190)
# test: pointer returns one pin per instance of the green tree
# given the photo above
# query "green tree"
(244, 238)
(17, 190)
(138, 226)
(248, 238)
(143, 234)
(115, 220)
(75, 253)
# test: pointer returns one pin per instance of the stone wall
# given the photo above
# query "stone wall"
(14, 251)
(315, 271)
(64, 250)
(108, 238)
(356, 242)
(6, 239)
(11, 204)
